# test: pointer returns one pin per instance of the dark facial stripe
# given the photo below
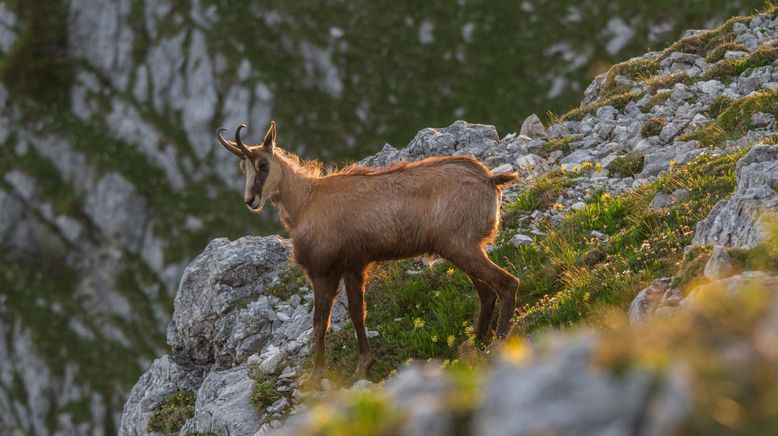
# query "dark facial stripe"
(263, 169)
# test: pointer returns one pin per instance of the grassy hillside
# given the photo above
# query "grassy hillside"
(567, 275)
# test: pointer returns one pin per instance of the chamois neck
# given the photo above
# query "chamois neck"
(293, 190)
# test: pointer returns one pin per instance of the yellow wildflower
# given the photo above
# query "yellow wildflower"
(516, 351)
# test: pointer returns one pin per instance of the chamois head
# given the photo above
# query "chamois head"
(258, 163)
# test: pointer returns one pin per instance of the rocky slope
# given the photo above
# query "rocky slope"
(693, 126)
(111, 182)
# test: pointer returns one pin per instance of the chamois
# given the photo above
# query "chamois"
(340, 223)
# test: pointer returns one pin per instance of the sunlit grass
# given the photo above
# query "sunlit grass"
(566, 276)
(733, 118)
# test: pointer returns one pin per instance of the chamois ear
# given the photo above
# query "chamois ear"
(270, 137)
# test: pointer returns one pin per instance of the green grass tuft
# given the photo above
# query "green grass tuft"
(264, 394)
(692, 265)
(628, 165)
(655, 83)
(633, 69)
(657, 99)
(540, 194)
(619, 101)
(562, 144)
(171, 414)
(418, 312)
(735, 118)
(362, 413)
(289, 283)
(719, 105)
(652, 127)
(718, 53)
(729, 69)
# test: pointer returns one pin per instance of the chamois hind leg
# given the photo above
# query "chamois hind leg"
(475, 263)
(487, 298)
(355, 289)
(325, 289)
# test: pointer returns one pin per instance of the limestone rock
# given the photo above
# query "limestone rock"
(735, 222)
(532, 127)
(161, 381)
(648, 300)
(562, 394)
(719, 264)
(212, 322)
(223, 405)
(520, 239)
(660, 201)
(532, 165)
(460, 138)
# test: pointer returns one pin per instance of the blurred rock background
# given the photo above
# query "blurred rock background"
(111, 180)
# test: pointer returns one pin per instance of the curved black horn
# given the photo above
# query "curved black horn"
(241, 146)
(228, 144)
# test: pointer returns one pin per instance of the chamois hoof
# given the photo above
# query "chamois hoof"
(313, 380)
(363, 366)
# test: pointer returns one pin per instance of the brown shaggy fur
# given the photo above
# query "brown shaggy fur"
(342, 222)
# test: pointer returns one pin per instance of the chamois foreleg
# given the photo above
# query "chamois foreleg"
(355, 289)
(325, 289)
(475, 263)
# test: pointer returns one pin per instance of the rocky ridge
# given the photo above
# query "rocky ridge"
(600, 132)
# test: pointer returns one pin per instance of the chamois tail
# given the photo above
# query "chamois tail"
(504, 179)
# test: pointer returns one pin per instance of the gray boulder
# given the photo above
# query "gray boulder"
(460, 138)
(532, 165)
(161, 381)
(736, 222)
(648, 300)
(719, 264)
(213, 321)
(224, 406)
(422, 390)
(564, 393)
(660, 201)
(532, 127)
